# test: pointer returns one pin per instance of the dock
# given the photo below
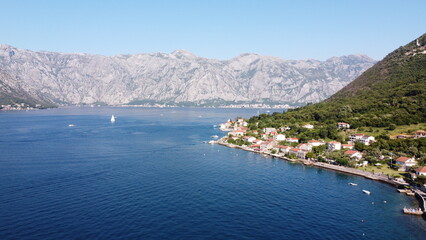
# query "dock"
(413, 211)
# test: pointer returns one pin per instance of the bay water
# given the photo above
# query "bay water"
(70, 173)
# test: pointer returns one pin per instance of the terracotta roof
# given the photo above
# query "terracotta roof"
(402, 159)
(421, 169)
(351, 152)
(334, 142)
(421, 131)
(312, 141)
(347, 145)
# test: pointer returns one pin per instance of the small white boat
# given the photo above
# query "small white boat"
(353, 184)
(112, 118)
(366, 192)
(212, 142)
(71, 125)
(215, 136)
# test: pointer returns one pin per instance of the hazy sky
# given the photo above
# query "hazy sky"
(298, 29)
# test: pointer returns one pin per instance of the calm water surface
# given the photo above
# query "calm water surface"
(149, 176)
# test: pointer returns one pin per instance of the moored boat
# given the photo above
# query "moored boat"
(366, 192)
(353, 184)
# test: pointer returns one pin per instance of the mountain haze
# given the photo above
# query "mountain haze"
(177, 78)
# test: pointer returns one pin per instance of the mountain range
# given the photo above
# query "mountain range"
(178, 78)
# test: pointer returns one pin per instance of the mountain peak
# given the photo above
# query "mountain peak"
(183, 54)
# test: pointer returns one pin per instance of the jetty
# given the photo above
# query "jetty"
(412, 211)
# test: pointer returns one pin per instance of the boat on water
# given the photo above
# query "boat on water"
(112, 118)
(413, 211)
(410, 193)
(353, 184)
(366, 192)
(212, 142)
(215, 136)
(71, 125)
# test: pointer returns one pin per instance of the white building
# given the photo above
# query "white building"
(269, 130)
(367, 140)
(279, 137)
(353, 154)
(333, 145)
(421, 171)
(292, 140)
(343, 125)
(315, 143)
(405, 163)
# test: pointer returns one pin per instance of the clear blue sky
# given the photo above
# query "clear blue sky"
(297, 29)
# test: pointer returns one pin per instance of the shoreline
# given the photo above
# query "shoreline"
(420, 196)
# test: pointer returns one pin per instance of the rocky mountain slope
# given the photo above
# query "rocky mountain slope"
(177, 78)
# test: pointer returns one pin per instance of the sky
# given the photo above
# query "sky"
(219, 29)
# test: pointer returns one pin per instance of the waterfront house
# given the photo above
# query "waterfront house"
(266, 145)
(236, 133)
(279, 137)
(405, 163)
(315, 143)
(249, 139)
(292, 140)
(343, 125)
(420, 134)
(257, 141)
(421, 171)
(304, 147)
(347, 146)
(297, 152)
(284, 149)
(255, 147)
(269, 130)
(308, 126)
(353, 154)
(333, 145)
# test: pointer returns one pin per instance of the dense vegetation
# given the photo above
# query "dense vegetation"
(389, 95)
(392, 92)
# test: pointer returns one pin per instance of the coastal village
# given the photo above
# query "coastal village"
(401, 171)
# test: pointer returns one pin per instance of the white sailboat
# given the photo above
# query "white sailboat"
(112, 118)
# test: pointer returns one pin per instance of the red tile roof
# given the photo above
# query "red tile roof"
(421, 169)
(351, 152)
(402, 159)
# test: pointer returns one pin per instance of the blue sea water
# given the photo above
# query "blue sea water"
(149, 176)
